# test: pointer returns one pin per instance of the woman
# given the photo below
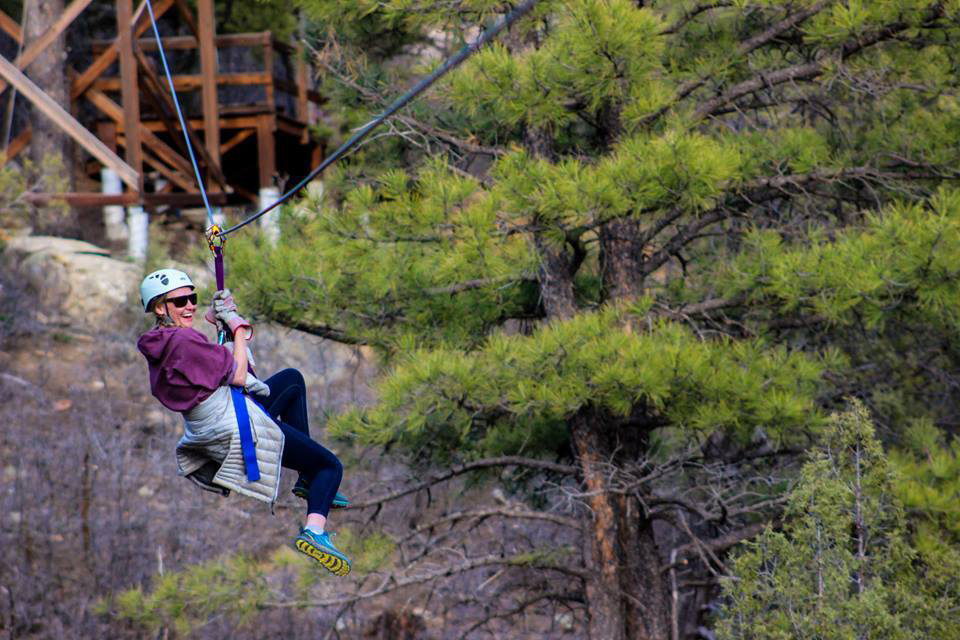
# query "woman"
(232, 441)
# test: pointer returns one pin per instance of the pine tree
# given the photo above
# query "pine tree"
(843, 566)
(651, 244)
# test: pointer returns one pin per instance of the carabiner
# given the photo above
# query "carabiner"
(215, 238)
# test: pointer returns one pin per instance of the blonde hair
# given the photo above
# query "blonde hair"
(161, 320)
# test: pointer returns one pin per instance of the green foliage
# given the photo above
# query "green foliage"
(16, 181)
(842, 566)
(774, 197)
(246, 16)
(516, 393)
(237, 586)
(534, 88)
(904, 260)
(187, 599)
(928, 485)
(387, 259)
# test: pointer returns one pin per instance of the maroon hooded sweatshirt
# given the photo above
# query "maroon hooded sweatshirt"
(185, 367)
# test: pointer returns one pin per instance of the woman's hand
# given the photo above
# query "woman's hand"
(224, 310)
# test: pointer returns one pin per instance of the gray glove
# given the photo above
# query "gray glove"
(256, 387)
(223, 301)
(225, 312)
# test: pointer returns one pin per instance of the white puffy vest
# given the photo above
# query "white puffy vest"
(209, 451)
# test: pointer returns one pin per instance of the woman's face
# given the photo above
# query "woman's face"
(182, 316)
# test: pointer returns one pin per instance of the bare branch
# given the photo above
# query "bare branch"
(719, 544)
(479, 283)
(440, 134)
(323, 331)
(392, 583)
(485, 463)
(805, 71)
(523, 606)
(693, 13)
(524, 514)
(745, 48)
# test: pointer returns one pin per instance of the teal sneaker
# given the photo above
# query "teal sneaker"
(302, 489)
(318, 547)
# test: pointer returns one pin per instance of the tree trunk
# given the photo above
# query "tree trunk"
(48, 144)
(627, 595)
(621, 259)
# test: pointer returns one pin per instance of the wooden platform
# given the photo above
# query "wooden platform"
(249, 129)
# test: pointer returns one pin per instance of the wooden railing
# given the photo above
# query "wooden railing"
(272, 53)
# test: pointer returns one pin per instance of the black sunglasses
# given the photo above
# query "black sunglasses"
(181, 301)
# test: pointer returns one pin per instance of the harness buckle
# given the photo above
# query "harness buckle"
(215, 238)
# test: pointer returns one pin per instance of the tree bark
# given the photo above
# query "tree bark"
(621, 259)
(48, 143)
(627, 595)
(47, 71)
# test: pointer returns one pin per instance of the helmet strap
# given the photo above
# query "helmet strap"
(165, 320)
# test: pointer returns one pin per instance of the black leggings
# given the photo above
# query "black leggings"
(287, 405)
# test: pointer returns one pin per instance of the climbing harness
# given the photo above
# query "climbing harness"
(246, 436)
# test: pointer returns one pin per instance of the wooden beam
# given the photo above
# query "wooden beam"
(141, 22)
(167, 107)
(208, 69)
(266, 150)
(11, 27)
(114, 111)
(237, 122)
(236, 139)
(107, 132)
(291, 127)
(185, 181)
(188, 17)
(87, 199)
(268, 68)
(152, 88)
(52, 33)
(303, 80)
(19, 143)
(294, 90)
(148, 43)
(67, 123)
(130, 96)
(194, 82)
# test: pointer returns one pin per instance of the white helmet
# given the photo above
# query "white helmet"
(161, 282)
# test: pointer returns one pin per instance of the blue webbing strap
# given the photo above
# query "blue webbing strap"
(246, 436)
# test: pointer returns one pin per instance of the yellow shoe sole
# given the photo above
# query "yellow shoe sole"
(328, 561)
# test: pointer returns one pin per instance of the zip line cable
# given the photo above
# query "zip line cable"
(464, 53)
(176, 104)
(401, 102)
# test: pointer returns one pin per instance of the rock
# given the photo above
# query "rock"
(73, 278)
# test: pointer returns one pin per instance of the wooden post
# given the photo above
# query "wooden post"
(303, 79)
(105, 59)
(268, 69)
(11, 27)
(65, 121)
(107, 132)
(208, 69)
(265, 150)
(128, 88)
(38, 46)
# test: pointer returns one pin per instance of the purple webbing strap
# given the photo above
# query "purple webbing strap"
(218, 270)
(218, 266)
